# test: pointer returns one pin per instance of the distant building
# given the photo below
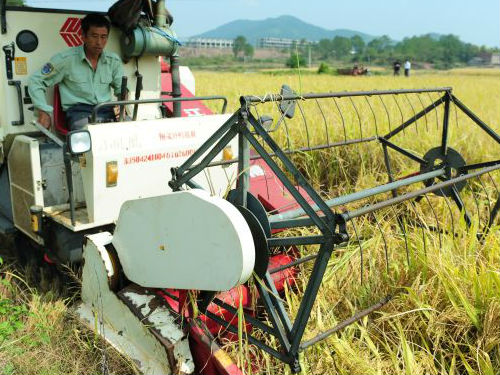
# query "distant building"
(278, 42)
(477, 60)
(495, 59)
(209, 43)
(486, 59)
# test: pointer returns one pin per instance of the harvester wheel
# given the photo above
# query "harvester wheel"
(23, 251)
(50, 279)
(113, 267)
(29, 259)
(32, 272)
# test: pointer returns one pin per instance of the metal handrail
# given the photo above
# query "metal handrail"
(3, 18)
(67, 166)
(159, 100)
(47, 133)
(279, 97)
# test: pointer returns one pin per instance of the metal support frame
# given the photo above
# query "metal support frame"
(476, 119)
(288, 335)
(247, 100)
(415, 194)
(176, 85)
(243, 162)
(317, 212)
(444, 142)
(401, 150)
(414, 118)
(349, 198)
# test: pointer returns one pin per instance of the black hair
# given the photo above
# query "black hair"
(94, 19)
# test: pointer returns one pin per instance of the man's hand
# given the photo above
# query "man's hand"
(44, 119)
(116, 110)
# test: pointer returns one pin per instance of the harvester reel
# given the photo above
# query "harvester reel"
(316, 224)
(452, 162)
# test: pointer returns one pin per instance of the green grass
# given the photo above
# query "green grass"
(40, 335)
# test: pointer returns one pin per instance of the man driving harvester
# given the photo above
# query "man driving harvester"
(85, 75)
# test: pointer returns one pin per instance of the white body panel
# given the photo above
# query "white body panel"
(192, 241)
(145, 153)
(25, 182)
(103, 310)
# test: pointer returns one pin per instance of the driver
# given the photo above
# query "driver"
(85, 75)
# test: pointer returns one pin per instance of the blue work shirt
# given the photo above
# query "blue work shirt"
(78, 81)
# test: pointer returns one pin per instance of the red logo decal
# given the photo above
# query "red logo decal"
(71, 32)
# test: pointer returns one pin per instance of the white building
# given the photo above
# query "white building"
(209, 43)
(495, 59)
(279, 42)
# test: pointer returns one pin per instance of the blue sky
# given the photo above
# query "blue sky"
(476, 21)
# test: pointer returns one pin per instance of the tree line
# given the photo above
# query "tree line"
(443, 51)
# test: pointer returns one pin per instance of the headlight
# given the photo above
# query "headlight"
(79, 142)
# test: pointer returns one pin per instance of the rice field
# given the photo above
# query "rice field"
(476, 87)
(444, 317)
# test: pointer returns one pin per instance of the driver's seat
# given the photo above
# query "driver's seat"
(58, 114)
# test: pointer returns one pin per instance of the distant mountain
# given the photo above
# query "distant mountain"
(280, 27)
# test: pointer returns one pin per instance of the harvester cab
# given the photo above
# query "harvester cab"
(60, 186)
(77, 181)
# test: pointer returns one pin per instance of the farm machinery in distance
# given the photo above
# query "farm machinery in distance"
(191, 225)
(356, 70)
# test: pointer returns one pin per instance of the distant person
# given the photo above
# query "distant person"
(407, 68)
(396, 66)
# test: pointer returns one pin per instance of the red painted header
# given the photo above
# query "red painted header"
(188, 109)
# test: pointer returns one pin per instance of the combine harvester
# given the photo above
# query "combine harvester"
(187, 224)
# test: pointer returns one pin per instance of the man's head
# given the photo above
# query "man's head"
(95, 30)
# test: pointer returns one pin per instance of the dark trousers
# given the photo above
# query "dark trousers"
(80, 115)
(407, 72)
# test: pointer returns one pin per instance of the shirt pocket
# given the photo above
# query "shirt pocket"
(106, 79)
(79, 85)
(104, 86)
